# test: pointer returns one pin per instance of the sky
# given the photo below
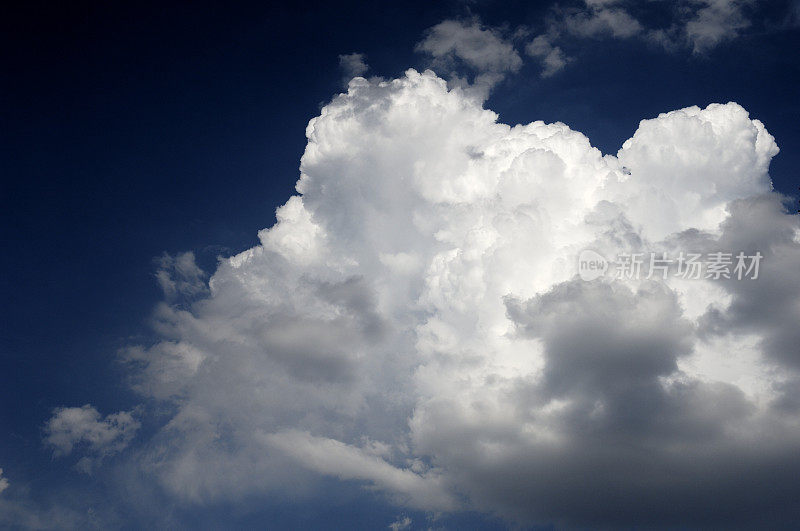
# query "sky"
(318, 266)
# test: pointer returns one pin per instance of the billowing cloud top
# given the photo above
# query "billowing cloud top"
(414, 321)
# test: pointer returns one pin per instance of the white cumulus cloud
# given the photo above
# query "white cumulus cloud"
(413, 322)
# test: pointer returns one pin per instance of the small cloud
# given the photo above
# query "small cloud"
(180, 276)
(3, 482)
(352, 65)
(700, 26)
(601, 19)
(717, 21)
(552, 57)
(332, 457)
(483, 50)
(71, 427)
(404, 522)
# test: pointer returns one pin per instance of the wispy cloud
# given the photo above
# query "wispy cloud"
(695, 25)
(352, 65)
(484, 50)
(84, 427)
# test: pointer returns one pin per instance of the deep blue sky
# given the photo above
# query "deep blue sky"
(130, 131)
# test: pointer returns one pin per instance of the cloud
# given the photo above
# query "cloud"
(352, 65)
(84, 427)
(25, 514)
(484, 50)
(793, 18)
(602, 18)
(18, 510)
(180, 276)
(698, 25)
(404, 522)
(716, 21)
(552, 57)
(424, 491)
(413, 324)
